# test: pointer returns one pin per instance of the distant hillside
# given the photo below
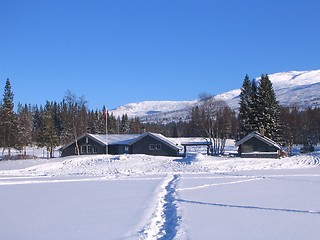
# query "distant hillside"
(301, 88)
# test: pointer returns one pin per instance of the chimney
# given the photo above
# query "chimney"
(261, 129)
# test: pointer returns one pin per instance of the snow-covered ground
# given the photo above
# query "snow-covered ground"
(147, 197)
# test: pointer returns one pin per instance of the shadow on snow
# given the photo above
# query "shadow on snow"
(250, 207)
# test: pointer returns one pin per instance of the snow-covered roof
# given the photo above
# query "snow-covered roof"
(163, 139)
(116, 139)
(191, 141)
(260, 137)
(125, 139)
(128, 139)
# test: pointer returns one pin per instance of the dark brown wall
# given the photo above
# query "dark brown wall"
(255, 145)
(118, 149)
(82, 142)
(142, 147)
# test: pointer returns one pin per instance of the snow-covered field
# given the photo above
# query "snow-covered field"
(146, 197)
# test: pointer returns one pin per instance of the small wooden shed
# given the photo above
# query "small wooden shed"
(256, 145)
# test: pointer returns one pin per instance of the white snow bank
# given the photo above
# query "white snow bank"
(123, 165)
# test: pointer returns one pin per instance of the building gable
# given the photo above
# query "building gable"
(151, 144)
(86, 144)
(256, 145)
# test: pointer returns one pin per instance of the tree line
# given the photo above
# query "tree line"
(57, 123)
(258, 111)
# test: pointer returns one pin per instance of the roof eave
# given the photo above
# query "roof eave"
(257, 135)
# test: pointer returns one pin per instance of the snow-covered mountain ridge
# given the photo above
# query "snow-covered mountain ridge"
(301, 88)
(148, 108)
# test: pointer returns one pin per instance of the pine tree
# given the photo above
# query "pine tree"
(66, 133)
(9, 131)
(125, 124)
(92, 127)
(57, 118)
(104, 120)
(35, 123)
(245, 108)
(48, 133)
(24, 126)
(254, 121)
(195, 128)
(135, 125)
(268, 113)
(113, 126)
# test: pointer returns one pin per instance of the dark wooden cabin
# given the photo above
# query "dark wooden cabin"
(146, 143)
(256, 145)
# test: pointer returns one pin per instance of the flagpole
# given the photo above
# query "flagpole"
(106, 121)
(107, 131)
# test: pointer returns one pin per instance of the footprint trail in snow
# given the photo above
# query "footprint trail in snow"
(165, 220)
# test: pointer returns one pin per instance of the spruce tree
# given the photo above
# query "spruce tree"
(268, 113)
(9, 131)
(195, 128)
(253, 115)
(35, 123)
(125, 124)
(48, 133)
(24, 126)
(245, 108)
(104, 120)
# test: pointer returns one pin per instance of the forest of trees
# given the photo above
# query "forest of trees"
(57, 123)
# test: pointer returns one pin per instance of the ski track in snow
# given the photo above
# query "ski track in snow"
(165, 220)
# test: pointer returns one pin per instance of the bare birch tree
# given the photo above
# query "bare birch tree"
(215, 123)
(75, 117)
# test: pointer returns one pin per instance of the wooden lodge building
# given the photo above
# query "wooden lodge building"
(146, 143)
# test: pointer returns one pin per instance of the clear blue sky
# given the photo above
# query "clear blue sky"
(114, 52)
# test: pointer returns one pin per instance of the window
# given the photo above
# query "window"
(83, 149)
(126, 149)
(90, 150)
(152, 147)
(95, 149)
